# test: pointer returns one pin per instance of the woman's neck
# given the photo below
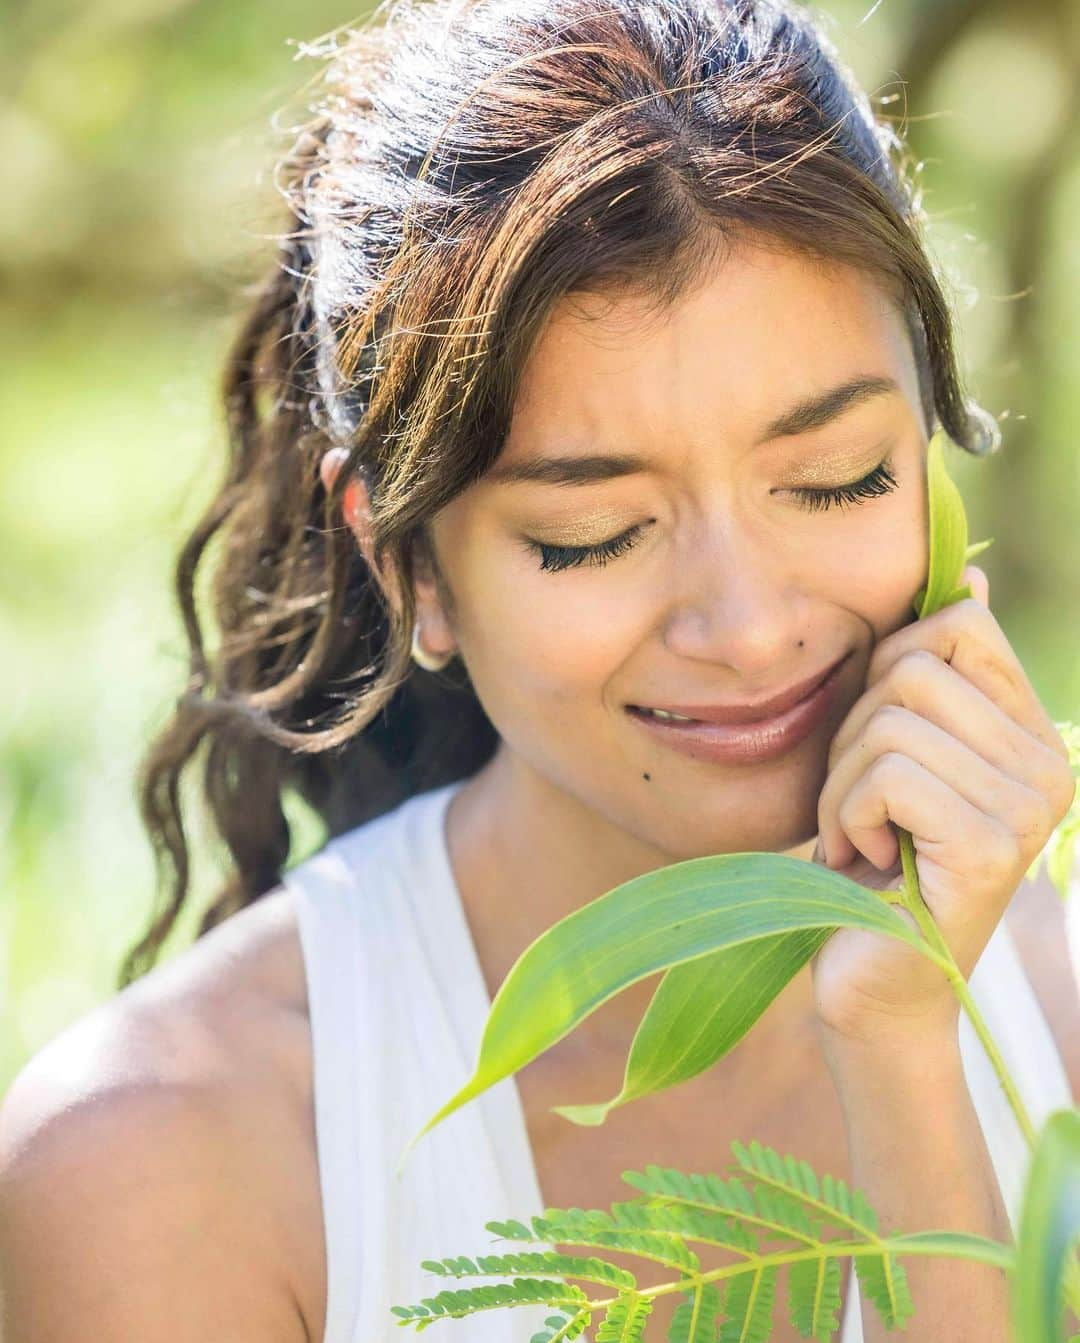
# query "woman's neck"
(525, 855)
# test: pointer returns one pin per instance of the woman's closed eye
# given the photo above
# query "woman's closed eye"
(879, 481)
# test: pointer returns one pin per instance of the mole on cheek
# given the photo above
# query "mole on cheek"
(646, 776)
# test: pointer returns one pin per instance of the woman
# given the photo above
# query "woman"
(597, 379)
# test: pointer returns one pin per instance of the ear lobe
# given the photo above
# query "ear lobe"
(431, 598)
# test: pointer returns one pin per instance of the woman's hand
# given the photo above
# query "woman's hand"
(950, 742)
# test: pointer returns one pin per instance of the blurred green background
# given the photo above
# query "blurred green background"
(139, 139)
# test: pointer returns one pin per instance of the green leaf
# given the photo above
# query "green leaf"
(694, 1321)
(748, 1307)
(948, 530)
(588, 1268)
(883, 1281)
(958, 1244)
(814, 1297)
(635, 1235)
(559, 1327)
(625, 1320)
(650, 923)
(831, 1200)
(701, 1010)
(1049, 1228)
(468, 1301)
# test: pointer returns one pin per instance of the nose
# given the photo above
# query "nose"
(737, 604)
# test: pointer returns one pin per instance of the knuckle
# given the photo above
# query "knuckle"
(999, 849)
(887, 727)
(1032, 816)
(1060, 789)
(889, 768)
(905, 679)
(971, 613)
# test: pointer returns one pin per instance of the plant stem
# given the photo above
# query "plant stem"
(916, 906)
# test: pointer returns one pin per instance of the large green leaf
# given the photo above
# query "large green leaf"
(948, 531)
(701, 1010)
(1049, 1227)
(948, 539)
(650, 923)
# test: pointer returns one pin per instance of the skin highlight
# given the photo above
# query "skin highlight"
(731, 590)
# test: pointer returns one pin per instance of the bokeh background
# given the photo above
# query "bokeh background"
(139, 138)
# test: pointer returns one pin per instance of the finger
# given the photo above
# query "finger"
(977, 580)
(893, 729)
(948, 830)
(936, 691)
(968, 638)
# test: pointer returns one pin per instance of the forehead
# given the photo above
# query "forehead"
(756, 332)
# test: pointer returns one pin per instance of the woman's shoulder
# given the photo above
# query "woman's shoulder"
(186, 1095)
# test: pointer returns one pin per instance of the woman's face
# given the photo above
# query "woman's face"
(729, 584)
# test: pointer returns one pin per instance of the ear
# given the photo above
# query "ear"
(356, 510)
(437, 635)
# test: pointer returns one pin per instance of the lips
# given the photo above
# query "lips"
(756, 712)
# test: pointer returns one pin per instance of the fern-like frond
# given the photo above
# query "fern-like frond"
(578, 1226)
(770, 1211)
(881, 1277)
(814, 1297)
(666, 1182)
(783, 1215)
(625, 1319)
(830, 1200)
(883, 1280)
(556, 1328)
(748, 1306)
(695, 1320)
(590, 1268)
(782, 1198)
(469, 1300)
(690, 1223)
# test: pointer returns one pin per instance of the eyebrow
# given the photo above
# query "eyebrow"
(813, 412)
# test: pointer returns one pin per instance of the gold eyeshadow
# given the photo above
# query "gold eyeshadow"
(828, 468)
(583, 531)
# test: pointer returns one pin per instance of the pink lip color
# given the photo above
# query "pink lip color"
(765, 740)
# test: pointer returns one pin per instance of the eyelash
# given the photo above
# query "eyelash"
(880, 481)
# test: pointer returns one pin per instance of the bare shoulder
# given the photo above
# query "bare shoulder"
(1036, 922)
(160, 1149)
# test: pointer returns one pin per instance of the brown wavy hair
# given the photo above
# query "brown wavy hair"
(464, 164)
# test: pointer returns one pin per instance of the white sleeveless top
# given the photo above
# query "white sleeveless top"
(398, 1004)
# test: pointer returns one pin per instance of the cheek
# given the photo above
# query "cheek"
(562, 635)
(529, 635)
(877, 567)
